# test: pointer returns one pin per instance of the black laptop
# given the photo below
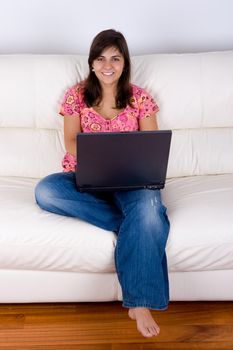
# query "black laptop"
(115, 161)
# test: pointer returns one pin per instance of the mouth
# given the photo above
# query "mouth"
(107, 73)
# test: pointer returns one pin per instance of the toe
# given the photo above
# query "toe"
(153, 330)
(145, 332)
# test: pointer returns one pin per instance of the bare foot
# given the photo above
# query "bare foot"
(145, 322)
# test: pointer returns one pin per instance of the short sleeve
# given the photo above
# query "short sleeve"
(69, 162)
(147, 105)
(72, 102)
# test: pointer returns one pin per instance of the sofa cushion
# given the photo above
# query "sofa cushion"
(193, 90)
(200, 210)
(39, 152)
(32, 238)
(192, 104)
(201, 237)
(197, 85)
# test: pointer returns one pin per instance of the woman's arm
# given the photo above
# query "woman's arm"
(148, 124)
(71, 127)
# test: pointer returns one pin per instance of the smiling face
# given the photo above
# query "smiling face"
(109, 66)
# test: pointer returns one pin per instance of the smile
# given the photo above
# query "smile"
(108, 73)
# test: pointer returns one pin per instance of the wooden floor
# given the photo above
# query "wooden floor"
(106, 326)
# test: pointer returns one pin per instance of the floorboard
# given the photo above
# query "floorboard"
(106, 326)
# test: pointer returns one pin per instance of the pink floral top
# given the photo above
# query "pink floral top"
(143, 106)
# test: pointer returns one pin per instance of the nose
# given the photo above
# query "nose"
(107, 64)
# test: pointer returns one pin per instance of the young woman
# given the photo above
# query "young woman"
(107, 101)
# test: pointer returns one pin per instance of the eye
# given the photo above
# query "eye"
(99, 59)
(116, 59)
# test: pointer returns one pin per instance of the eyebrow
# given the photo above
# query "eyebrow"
(111, 56)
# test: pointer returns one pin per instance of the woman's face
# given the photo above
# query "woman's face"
(109, 66)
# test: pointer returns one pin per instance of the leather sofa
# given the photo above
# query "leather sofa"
(50, 258)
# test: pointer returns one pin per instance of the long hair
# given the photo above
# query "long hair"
(92, 88)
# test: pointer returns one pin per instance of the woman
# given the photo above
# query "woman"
(106, 101)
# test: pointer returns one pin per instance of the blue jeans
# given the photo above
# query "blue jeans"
(139, 220)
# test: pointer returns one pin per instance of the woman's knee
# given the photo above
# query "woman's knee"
(153, 214)
(49, 188)
(43, 191)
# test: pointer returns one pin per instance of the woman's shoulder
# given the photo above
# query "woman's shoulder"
(77, 89)
(140, 94)
(138, 91)
(73, 100)
(144, 100)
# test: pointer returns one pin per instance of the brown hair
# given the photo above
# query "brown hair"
(93, 91)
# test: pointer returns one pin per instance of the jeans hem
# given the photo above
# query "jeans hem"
(146, 305)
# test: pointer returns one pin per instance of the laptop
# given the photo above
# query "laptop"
(116, 161)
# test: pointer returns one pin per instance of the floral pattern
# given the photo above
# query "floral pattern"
(143, 106)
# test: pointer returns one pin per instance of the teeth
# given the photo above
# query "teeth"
(110, 73)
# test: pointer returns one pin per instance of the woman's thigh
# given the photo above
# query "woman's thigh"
(58, 193)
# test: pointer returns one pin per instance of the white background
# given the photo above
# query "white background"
(150, 26)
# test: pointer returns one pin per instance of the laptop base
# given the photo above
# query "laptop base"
(119, 188)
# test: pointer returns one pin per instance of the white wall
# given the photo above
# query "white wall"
(68, 26)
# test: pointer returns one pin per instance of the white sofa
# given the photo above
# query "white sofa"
(50, 258)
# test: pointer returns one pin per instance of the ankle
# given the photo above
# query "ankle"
(140, 309)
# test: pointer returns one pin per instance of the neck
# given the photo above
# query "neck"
(109, 91)
(108, 96)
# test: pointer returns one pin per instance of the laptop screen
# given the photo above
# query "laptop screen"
(122, 160)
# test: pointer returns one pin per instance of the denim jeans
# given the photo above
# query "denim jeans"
(139, 220)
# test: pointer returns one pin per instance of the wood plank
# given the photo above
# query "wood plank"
(106, 326)
(12, 321)
(174, 346)
(59, 347)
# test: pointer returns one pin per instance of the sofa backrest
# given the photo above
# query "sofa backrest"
(194, 93)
